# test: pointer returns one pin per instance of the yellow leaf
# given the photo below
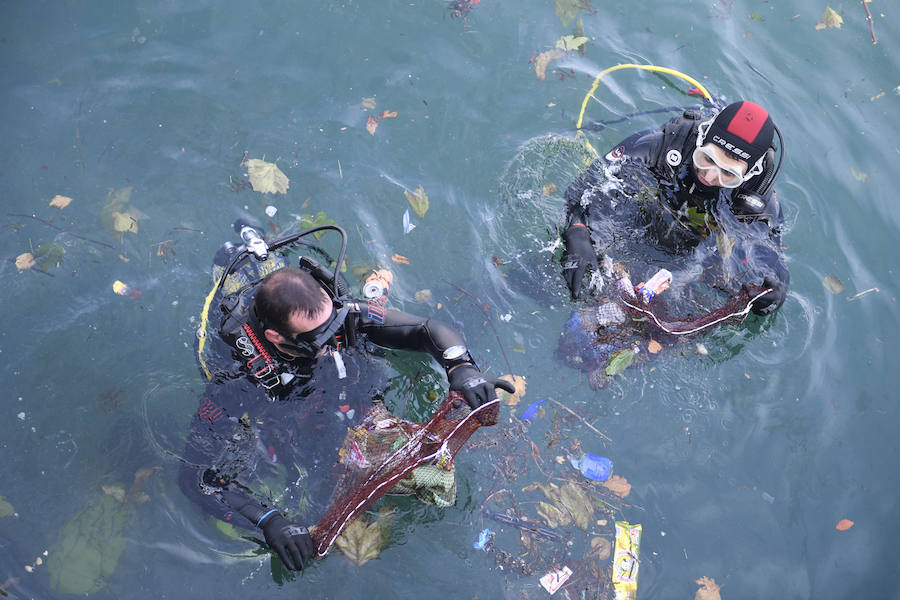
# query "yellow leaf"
(24, 261)
(266, 177)
(543, 59)
(124, 222)
(418, 200)
(519, 382)
(829, 19)
(60, 202)
(653, 347)
(371, 124)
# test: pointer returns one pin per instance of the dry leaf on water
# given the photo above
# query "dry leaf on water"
(618, 485)
(709, 589)
(423, 296)
(519, 382)
(369, 103)
(829, 19)
(844, 525)
(389, 114)
(266, 177)
(371, 124)
(60, 202)
(653, 347)
(399, 259)
(833, 284)
(543, 59)
(24, 261)
(362, 541)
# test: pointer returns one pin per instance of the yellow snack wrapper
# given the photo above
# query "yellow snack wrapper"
(625, 560)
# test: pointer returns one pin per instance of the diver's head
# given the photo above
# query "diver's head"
(731, 147)
(293, 309)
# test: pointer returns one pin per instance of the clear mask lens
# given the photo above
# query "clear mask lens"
(705, 160)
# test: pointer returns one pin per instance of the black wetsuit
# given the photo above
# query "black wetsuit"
(642, 201)
(276, 446)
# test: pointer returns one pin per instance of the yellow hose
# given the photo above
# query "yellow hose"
(201, 331)
(666, 70)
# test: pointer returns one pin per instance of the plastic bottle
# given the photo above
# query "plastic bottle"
(592, 466)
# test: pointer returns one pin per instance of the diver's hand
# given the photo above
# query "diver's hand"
(476, 387)
(579, 255)
(292, 542)
(771, 301)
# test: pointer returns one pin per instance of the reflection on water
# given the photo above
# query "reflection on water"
(745, 457)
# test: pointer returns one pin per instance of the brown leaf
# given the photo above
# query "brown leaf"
(60, 202)
(618, 485)
(543, 59)
(600, 548)
(709, 589)
(389, 114)
(844, 525)
(519, 382)
(368, 103)
(653, 347)
(24, 261)
(124, 259)
(497, 261)
(371, 124)
(401, 260)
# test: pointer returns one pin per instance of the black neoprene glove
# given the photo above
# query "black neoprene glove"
(292, 543)
(771, 301)
(579, 255)
(476, 387)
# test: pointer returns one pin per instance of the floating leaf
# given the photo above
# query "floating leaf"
(389, 114)
(549, 189)
(833, 284)
(844, 525)
(619, 361)
(709, 589)
(423, 296)
(418, 200)
(116, 490)
(369, 103)
(860, 176)
(48, 256)
(543, 59)
(517, 347)
(24, 261)
(362, 541)
(725, 243)
(601, 548)
(400, 259)
(6, 508)
(317, 220)
(371, 124)
(755, 16)
(266, 177)
(570, 42)
(497, 261)
(567, 9)
(60, 202)
(520, 384)
(618, 485)
(124, 222)
(829, 19)
(654, 347)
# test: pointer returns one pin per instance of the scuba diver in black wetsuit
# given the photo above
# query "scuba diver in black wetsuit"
(297, 334)
(713, 174)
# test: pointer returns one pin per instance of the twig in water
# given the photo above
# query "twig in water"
(862, 293)
(580, 418)
(869, 19)
(49, 224)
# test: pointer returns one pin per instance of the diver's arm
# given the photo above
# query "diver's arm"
(402, 331)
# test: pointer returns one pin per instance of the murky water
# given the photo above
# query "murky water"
(742, 461)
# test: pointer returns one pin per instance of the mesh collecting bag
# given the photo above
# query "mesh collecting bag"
(384, 454)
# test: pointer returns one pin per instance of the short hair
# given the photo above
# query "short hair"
(284, 293)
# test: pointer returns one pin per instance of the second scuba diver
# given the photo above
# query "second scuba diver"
(297, 336)
(712, 175)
